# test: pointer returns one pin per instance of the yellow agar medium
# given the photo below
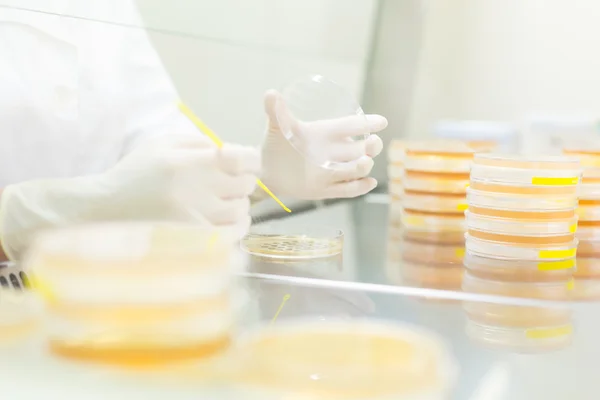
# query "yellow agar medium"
(547, 333)
(213, 136)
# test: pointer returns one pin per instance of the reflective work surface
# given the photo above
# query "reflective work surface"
(534, 346)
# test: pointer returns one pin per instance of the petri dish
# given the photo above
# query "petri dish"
(442, 156)
(346, 360)
(533, 339)
(312, 100)
(428, 182)
(396, 150)
(506, 230)
(432, 253)
(520, 251)
(431, 276)
(526, 171)
(526, 215)
(433, 228)
(588, 210)
(519, 270)
(20, 315)
(586, 289)
(483, 185)
(135, 294)
(589, 248)
(434, 203)
(395, 174)
(587, 267)
(588, 231)
(520, 202)
(279, 241)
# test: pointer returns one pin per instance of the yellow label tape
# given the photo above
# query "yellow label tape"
(547, 333)
(462, 207)
(556, 265)
(460, 252)
(548, 181)
(573, 228)
(571, 284)
(568, 253)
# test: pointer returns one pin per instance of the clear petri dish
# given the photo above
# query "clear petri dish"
(534, 339)
(520, 202)
(287, 243)
(135, 294)
(525, 215)
(428, 182)
(587, 153)
(542, 232)
(312, 100)
(434, 203)
(396, 151)
(586, 289)
(588, 231)
(346, 359)
(589, 248)
(587, 267)
(520, 251)
(395, 173)
(519, 270)
(483, 185)
(588, 210)
(526, 171)
(441, 156)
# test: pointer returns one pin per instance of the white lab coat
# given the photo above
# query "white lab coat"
(76, 95)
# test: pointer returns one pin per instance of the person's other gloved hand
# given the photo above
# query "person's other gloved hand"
(288, 173)
(170, 177)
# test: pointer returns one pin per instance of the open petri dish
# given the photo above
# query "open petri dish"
(278, 241)
(306, 107)
(354, 359)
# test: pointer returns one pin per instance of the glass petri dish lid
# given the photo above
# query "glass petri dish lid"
(313, 100)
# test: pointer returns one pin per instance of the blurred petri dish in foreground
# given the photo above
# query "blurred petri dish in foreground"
(352, 359)
(304, 106)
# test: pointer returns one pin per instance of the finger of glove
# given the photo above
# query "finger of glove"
(354, 170)
(374, 145)
(227, 186)
(346, 190)
(182, 141)
(235, 159)
(348, 127)
(344, 151)
(278, 113)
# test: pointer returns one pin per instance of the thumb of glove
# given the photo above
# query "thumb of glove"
(280, 119)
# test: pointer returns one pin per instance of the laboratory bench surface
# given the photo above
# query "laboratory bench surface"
(506, 348)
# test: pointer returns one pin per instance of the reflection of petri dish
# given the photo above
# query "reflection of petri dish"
(434, 203)
(432, 276)
(432, 253)
(520, 251)
(311, 100)
(428, 182)
(534, 339)
(277, 241)
(346, 359)
(522, 203)
(519, 270)
(442, 156)
(135, 293)
(434, 228)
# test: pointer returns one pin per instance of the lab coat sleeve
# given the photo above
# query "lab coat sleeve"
(148, 96)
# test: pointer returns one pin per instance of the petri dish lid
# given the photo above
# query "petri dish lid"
(309, 100)
(547, 123)
(527, 161)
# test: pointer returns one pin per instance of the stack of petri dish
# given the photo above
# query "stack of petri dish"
(588, 232)
(435, 180)
(520, 242)
(523, 208)
(135, 294)
(395, 172)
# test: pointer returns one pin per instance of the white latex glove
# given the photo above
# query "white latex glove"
(288, 173)
(170, 177)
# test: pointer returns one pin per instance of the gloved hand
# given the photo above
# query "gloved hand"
(288, 173)
(170, 177)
